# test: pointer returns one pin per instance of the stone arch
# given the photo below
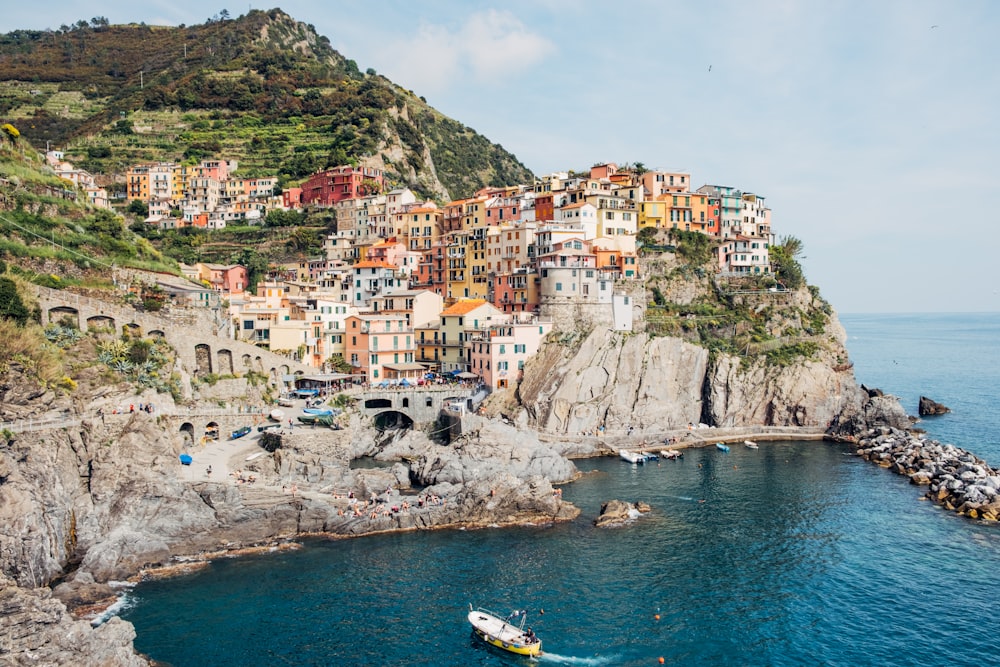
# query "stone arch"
(377, 403)
(131, 329)
(259, 364)
(212, 431)
(60, 312)
(246, 363)
(283, 369)
(101, 322)
(157, 334)
(187, 434)
(225, 362)
(202, 359)
(392, 420)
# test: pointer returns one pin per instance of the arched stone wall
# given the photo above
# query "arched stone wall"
(203, 359)
(59, 312)
(157, 333)
(187, 433)
(101, 322)
(225, 362)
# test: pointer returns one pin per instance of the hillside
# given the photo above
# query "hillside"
(263, 89)
(50, 236)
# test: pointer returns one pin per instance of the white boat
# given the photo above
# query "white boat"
(276, 414)
(503, 633)
(631, 457)
(751, 444)
(671, 454)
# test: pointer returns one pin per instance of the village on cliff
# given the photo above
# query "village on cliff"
(406, 287)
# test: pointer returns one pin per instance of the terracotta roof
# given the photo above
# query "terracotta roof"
(374, 265)
(463, 307)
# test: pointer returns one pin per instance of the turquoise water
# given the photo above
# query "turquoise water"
(793, 554)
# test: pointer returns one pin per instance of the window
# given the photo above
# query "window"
(503, 349)
(374, 359)
(559, 287)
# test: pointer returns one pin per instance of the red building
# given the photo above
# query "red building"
(329, 187)
(291, 198)
(544, 206)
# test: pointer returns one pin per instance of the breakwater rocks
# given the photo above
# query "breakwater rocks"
(958, 480)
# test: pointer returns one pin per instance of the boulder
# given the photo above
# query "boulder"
(930, 407)
(616, 513)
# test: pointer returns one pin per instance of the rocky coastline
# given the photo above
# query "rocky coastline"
(104, 499)
(957, 480)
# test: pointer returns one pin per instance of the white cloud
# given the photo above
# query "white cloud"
(489, 43)
(498, 43)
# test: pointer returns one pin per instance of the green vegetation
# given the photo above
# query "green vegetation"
(146, 362)
(784, 259)
(56, 238)
(260, 88)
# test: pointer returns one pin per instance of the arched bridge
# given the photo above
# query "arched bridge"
(417, 405)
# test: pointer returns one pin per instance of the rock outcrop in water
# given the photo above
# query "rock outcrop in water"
(617, 513)
(931, 407)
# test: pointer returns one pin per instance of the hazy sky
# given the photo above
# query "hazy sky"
(870, 127)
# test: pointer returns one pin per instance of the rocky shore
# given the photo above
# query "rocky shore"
(958, 480)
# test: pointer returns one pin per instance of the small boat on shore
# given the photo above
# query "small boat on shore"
(671, 454)
(631, 457)
(239, 433)
(751, 444)
(503, 633)
(317, 411)
(721, 447)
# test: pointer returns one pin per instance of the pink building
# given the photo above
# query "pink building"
(498, 353)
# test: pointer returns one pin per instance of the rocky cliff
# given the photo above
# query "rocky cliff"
(612, 383)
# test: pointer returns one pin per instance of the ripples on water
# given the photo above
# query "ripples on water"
(799, 555)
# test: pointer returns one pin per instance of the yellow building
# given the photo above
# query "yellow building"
(422, 227)
(456, 322)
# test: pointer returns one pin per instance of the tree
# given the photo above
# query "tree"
(11, 305)
(784, 262)
(139, 208)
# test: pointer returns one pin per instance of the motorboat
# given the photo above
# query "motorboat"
(751, 444)
(505, 632)
(631, 457)
(317, 411)
(671, 454)
(721, 447)
(240, 432)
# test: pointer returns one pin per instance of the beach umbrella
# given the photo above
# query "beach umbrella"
(186, 459)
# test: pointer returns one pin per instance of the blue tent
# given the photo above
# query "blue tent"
(404, 383)
(186, 459)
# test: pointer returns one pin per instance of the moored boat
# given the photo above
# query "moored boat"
(721, 447)
(671, 454)
(631, 457)
(751, 444)
(239, 433)
(317, 411)
(503, 633)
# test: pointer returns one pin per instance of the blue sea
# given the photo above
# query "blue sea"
(794, 554)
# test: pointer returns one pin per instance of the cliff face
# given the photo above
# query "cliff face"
(654, 384)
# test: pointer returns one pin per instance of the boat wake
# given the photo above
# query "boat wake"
(682, 498)
(572, 660)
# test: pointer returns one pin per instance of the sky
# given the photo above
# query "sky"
(871, 128)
